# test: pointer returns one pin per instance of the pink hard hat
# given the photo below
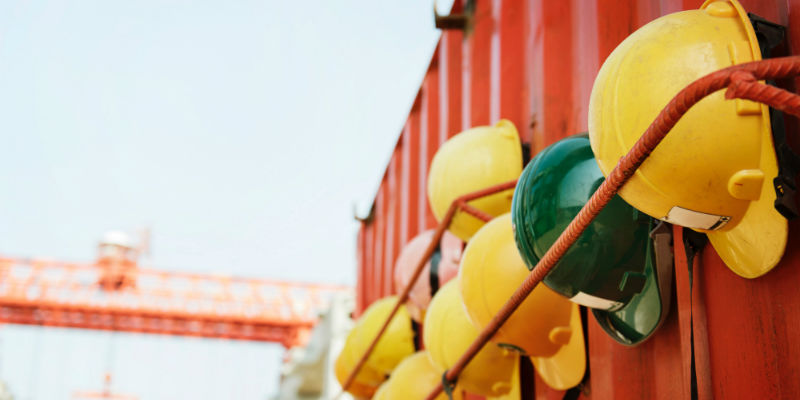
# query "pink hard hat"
(445, 260)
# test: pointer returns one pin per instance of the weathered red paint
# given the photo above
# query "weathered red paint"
(380, 242)
(361, 257)
(412, 188)
(534, 62)
(478, 64)
(450, 107)
(429, 130)
(512, 89)
(393, 230)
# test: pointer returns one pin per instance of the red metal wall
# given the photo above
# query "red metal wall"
(534, 62)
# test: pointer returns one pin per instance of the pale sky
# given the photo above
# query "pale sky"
(241, 132)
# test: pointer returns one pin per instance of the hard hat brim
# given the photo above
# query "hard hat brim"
(639, 319)
(566, 368)
(756, 244)
(646, 311)
(415, 377)
(383, 392)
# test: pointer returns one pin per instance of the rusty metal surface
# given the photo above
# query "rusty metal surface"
(534, 62)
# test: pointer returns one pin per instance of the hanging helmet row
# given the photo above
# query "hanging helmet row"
(713, 173)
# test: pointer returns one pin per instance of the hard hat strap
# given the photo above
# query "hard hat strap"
(693, 244)
(433, 276)
(417, 337)
(526, 153)
(664, 265)
(527, 379)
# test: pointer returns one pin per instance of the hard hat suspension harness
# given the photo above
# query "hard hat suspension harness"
(417, 338)
(433, 276)
(770, 37)
(526, 153)
(788, 167)
(433, 279)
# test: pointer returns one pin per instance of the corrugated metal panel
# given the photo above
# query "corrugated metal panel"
(534, 62)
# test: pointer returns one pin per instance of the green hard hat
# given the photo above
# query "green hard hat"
(620, 266)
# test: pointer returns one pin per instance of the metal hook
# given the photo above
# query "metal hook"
(454, 21)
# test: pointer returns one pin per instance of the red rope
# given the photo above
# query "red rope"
(475, 212)
(745, 86)
(741, 81)
(460, 202)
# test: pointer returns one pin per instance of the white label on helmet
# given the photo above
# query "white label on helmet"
(595, 302)
(695, 219)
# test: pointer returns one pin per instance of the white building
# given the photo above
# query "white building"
(308, 373)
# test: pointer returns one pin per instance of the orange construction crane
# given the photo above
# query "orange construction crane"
(115, 294)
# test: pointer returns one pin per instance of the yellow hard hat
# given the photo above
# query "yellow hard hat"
(470, 161)
(397, 341)
(415, 378)
(714, 170)
(448, 332)
(516, 387)
(367, 379)
(357, 389)
(383, 392)
(546, 326)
